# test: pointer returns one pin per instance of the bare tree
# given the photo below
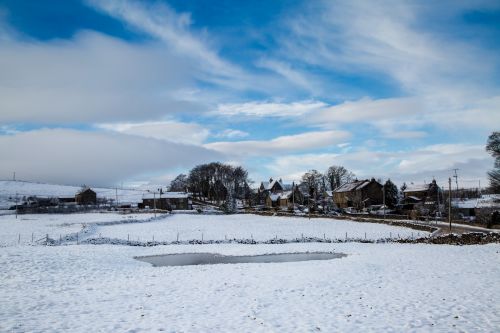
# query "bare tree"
(337, 176)
(179, 184)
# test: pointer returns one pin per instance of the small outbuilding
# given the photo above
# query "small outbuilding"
(86, 197)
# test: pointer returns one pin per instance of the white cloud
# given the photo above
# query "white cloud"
(416, 165)
(172, 131)
(353, 36)
(90, 78)
(75, 157)
(232, 133)
(407, 117)
(162, 22)
(280, 145)
(269, 109)
(297, 77)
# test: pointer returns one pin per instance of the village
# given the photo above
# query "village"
(365, 198)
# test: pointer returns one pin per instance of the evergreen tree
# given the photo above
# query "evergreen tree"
(391, 194)
(493, 147)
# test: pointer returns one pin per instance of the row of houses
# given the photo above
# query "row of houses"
(358, 194)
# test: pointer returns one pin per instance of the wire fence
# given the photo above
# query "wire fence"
(37, 239)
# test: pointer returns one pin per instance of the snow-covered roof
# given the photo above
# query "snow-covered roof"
(274, 197)
(270, 185)
(329, 193)
(352, 186)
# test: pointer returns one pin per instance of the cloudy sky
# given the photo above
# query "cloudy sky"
(104, 92)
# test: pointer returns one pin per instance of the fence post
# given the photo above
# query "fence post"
(128, 237)
(346, 236)
(19, 239)
(60, 239)
(390, 235)
(76, 238)
(324, 237)
(47, 239)
(365, 235)
(32, 236)
(202, 237)
(177, 236)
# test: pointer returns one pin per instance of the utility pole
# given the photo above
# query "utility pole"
(154, 203)
(14, 176)
(16, 205)
(449, 206)
(438, 206)
(160, 191)
(456, 178)
(116, 196)
(383, 199)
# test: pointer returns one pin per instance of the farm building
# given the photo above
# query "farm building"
(86, 197)
(358, 194)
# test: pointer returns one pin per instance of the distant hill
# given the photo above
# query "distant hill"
(9, 188)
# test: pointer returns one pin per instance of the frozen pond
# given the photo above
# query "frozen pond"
(185, 259)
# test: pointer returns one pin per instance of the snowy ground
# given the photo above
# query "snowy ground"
(143, 227)
(21, 230)
(377, 287)
(261, 228)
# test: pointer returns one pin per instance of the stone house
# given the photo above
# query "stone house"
(358, 194)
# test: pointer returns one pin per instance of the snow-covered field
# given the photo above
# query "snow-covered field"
(377, 287)
(142, 227)
(261, 228)
(22, 229)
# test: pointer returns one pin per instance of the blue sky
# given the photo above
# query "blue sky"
(407, 90)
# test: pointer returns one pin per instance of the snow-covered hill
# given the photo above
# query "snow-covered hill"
(9, 189)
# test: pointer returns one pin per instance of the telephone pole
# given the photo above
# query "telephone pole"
(16, 205)
(383, 199)
(456, 178)
(449, 206)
